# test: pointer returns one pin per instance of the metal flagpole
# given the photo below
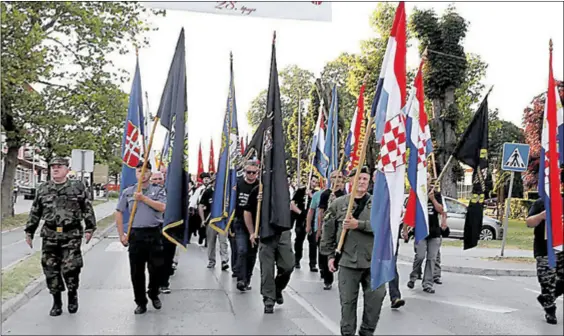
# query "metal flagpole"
(298, 172)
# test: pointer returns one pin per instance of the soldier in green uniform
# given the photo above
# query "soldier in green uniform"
(355, 259)
(62, 203)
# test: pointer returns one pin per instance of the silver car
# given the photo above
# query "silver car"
(456, 215)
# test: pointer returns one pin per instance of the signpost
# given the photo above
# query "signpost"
(82, 161)
(515, 158)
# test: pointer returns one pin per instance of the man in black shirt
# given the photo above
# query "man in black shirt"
(551, 280)
(299, 209)
(212, 236)
(327, 197)
(429, 247)
(246, 253)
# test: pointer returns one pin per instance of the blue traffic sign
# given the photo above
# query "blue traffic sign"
(515, 157)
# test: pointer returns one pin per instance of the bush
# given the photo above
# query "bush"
(113, 194)
(519, 208)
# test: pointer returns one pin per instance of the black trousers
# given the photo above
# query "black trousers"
(145, 251)
(169, 249)
(194, 221)
(246, 254)
(327, 275)
(301, 235)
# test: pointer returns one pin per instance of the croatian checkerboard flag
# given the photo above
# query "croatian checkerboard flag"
(390, 132)
(549, 172)
(320, 160)
(420, 147)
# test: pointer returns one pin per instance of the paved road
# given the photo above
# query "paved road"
(13, 243)
(206, 302)
(22, 205)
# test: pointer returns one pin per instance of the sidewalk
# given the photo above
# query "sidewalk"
(475, 261)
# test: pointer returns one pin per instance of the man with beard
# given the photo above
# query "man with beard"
(299, 209)
(246, 252)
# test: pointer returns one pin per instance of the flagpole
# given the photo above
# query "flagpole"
(259, 203)
(139, 182)
(298, 172)
(356, 176)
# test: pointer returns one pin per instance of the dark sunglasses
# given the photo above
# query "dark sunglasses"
(251, 172)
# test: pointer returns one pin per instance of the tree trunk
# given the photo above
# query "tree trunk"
(10, 165)
(445, 138)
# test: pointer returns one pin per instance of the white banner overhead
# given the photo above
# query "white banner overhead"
(306, 10)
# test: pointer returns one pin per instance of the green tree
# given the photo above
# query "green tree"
(444, 73)
(64, 47)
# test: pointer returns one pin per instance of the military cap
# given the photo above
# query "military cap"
(59, 160)
(204, 175)
(140, 165)
(363, 170)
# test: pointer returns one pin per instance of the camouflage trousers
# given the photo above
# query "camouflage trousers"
(551, 280)
(61, 260)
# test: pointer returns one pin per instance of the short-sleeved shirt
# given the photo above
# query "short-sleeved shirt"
(243, 191)
(434, 226)
(314, 205)
(539, 243)
(299, 199)
(207, 201)
(145, 216)
(326, 195)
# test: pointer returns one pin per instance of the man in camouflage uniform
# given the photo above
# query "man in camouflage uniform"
(62, 203)
(356, 257)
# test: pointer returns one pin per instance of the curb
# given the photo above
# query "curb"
(37, 285)
(482, 271)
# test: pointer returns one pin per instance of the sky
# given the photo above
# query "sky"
(512, 37)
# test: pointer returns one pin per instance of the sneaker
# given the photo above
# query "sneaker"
(438, 281)
(327, 286)
(224, 265)
(248, 288)
(410, 284)
(397, 303)
(140, 310)
(429, 290)
(165, 290)
(242, 286)
(314, 269)
(268, 306)
(211, 264)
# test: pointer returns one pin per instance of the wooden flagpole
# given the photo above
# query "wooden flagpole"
(140, 181)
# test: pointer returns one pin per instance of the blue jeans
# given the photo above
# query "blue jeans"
(246, 255)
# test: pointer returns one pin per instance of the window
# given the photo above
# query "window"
(455, 207)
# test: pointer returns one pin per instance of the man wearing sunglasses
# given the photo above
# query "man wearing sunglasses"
(246, 253)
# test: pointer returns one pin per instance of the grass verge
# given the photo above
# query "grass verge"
(17, 278)
(98, 201)
(104, 223)
(519, 236)
(9, 222)
(524, 260)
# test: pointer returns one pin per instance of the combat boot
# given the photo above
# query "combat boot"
(57, 308)
(550, 315)
(73, 302)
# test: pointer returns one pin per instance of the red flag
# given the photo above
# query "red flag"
(242, 147)
(200, 165)
(211, 164)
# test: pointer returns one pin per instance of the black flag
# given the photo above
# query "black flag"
(268, 145)
(173, 111)
(472, 150)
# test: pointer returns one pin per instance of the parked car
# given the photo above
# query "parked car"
(27, 191)
(456, 215)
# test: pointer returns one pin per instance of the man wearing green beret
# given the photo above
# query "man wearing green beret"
(63, 204)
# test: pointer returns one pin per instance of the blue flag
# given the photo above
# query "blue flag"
(331, 139)
(173, 112)
(131, 144)
(225, 189)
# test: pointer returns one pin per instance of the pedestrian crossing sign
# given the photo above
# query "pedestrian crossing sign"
(515, 157)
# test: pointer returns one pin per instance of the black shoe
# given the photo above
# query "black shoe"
(211, 265)
(248, 288)
(73, 302)
(327, 287)
(140, 310)
(165, 290)
(242, 286)
(429, 290)
(157, 303)
(438, 281)
(297, 266)
(314, 269)
(397, 303)
(410, 284)
(233, 275)
(419, 277)
(279, 298)
(57, 308)
(225, 266)
(268, 306)
(550, 315)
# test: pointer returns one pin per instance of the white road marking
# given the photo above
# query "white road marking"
(478, 306)
(487, 278)
(319, 316)
(14, 243)
(561, 298)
